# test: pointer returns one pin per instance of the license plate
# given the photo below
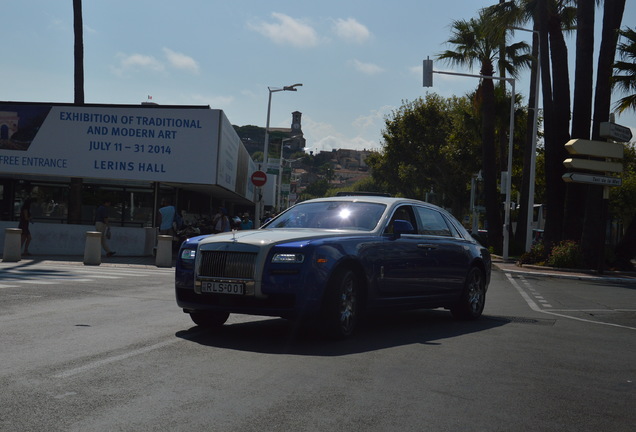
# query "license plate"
(223, 288)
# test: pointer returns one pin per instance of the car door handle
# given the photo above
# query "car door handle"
(427, 246)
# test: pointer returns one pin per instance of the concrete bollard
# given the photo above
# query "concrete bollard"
(150, 240)
(12, 245)
(164, 251)
(93, 248)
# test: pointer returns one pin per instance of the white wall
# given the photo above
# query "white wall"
(63, 239)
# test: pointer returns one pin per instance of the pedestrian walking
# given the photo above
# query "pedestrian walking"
(102, 224)
(166, 218)
(25, 220)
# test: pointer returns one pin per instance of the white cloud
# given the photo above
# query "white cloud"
(287, 31)
(366, 68)
(215, 102)
(351, 30)
(374, 121)
(325, 136)
(181, 61)
(131, 62)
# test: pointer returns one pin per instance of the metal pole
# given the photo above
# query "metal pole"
(506, 233)
(473, 183)
(533, 157)
(280, 177)
(258, 211)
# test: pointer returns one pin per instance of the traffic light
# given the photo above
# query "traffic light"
(427, 76)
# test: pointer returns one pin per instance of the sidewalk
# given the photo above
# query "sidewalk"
(498, 263)
(117, 260)
(534, 270)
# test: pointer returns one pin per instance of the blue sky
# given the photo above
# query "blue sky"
(358, 60)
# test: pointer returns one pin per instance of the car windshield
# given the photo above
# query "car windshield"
(361, 216)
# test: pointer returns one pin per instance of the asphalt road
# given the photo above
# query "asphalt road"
(107, 349)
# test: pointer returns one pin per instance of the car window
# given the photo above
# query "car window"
(354, 215)
(433, 223)
(404, 212)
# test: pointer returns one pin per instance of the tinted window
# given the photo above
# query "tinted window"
(433, 223)
(405, 213)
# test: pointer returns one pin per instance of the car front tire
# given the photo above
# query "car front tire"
(341, 307)
(209, 319)
(473, 298)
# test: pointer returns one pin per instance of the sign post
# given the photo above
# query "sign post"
(598, 156)
(615, 132)
(259, 178)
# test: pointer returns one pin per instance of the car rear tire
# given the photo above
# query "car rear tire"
(473, 298)
(209, 319)
(341, 309)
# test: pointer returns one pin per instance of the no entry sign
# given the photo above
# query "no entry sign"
(259, 178)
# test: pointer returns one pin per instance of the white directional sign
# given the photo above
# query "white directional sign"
(592, 179)
(615, 132)
(595, 148)
(593, 165)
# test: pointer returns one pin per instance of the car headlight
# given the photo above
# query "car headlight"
(188, 254)
(288, 258)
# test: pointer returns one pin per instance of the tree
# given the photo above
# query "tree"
(624, 198)
(75, 199)
(428, 149)
(623, 208)
(624, 78)
(477, 41)
(593, 239)
(78, 51)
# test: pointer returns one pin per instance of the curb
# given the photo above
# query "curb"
(566, 274)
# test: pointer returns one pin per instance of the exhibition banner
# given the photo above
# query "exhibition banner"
(151, 143)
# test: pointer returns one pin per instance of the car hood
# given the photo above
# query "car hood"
(272, 236)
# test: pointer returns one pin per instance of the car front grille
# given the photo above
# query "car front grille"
(222, 264)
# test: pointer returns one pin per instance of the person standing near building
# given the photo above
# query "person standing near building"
(103, 226)
(220, 222)
(246, 222)
(166, 217)
(25, 220)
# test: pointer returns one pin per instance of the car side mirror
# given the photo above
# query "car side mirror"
(402, 227)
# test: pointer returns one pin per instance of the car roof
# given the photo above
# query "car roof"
(389, 201)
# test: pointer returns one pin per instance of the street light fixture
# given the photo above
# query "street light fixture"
(269, 109)
(257, 212)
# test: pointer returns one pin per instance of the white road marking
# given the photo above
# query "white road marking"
(536, 307)
(90, 366)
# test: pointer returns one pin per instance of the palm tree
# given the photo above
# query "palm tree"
(75, 199)
(593, 238)
(78, 51)
(512, 14)
(476, 42)
(624, 77)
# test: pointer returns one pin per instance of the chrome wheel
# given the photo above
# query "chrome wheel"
(473, 298)
(341, 306)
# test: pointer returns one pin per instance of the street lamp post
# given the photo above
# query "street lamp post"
(533, 154)
(257, 212)
(280, 170)
(428, 82)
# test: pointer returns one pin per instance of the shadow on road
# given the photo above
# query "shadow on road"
(278, 336)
